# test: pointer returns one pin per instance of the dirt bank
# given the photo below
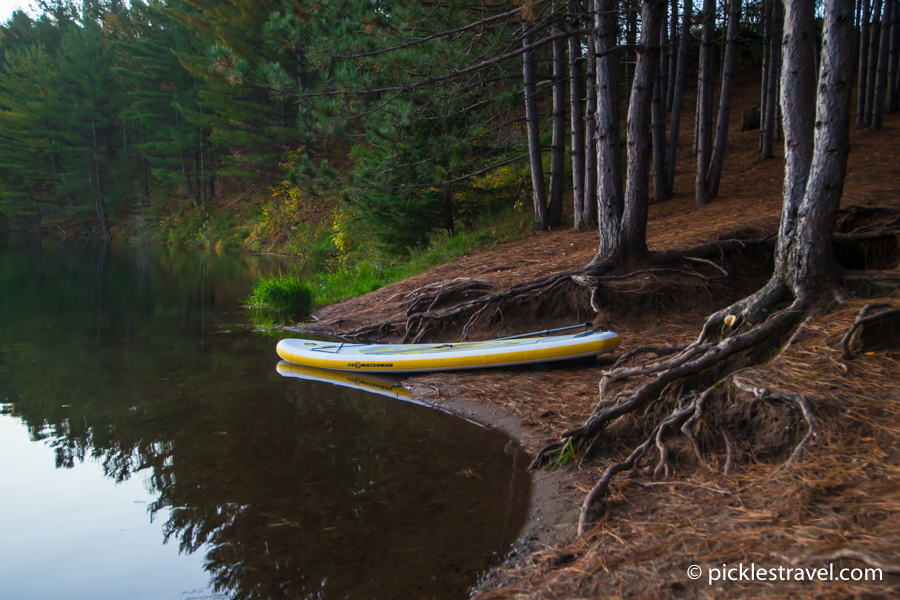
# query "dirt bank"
(840, 503)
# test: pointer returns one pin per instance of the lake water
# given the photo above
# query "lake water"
(150, 449)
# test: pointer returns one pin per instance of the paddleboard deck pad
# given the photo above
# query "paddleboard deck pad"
(417, 358)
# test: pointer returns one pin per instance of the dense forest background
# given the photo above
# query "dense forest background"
(299, 126)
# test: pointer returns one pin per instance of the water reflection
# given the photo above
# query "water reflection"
(140, 360)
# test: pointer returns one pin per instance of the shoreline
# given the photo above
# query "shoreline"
(554, 503)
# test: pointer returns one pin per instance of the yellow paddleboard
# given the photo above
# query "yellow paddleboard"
(411, 358)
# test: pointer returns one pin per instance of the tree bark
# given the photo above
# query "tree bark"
(673, 57)
(799, 102)
(767, 63)
(658, 124)
(633, 234)
(883, 57)
(534, 139)
(874, 39)
(576, 102)
(609, 156)
(558, 145)
(705, 101)
(805, 257)
(678, 97)
(863, 64)
(774, 72)
(630, 40)
(590, 159)
(728, 70)
(893, 91)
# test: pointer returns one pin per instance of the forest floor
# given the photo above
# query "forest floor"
(842, 496)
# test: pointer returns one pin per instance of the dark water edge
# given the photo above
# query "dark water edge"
(138, 365)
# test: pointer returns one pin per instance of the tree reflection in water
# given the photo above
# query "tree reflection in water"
(292, 489)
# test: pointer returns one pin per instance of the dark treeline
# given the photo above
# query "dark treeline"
(402, 108)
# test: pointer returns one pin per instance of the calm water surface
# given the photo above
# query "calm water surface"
(149, 449)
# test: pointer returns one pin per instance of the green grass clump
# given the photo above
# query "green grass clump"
(282, 294)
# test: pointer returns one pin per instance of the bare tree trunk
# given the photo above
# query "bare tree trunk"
(695, 147)
(678, 97)
(590, 159)
(558, 145)
(799, 101)
(767, 64)
(98, 196)
(863, 64)
(774, 72)
(630, 39)
(804, 257)
(633, 234)
(893, 91)
(609, 156)
(728, 68)
(883, 58)
(874, 39)
(673, 56)
(576, 101)
(705, 103)
(534, 139)
(658, 124)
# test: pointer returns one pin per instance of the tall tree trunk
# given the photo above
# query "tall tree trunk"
(630, 39)
(767, 64)
(695, 147)
(863, 64)
(633, 233)
(558, 145)
(884, 56)
(705, 102)
(678, 97)
(534, 134)
(893, 90)
(673, 56)
(874, 39)
(804, 258)
(98, 196)
(658, 125)
(799, 102)
(728, 68)
(774, 72)
(576, 102)
(609, 155)
(590, 159)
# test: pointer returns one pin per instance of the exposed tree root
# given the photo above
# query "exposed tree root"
(441, 293)
(690, 362)
(798, 400)
(417, 323)
(864, 318)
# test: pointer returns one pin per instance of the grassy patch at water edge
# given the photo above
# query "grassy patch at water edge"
(287, 294)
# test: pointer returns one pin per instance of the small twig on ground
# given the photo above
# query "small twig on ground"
(682, 483)
(664, 351)
(846, 553)
(729, 460)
